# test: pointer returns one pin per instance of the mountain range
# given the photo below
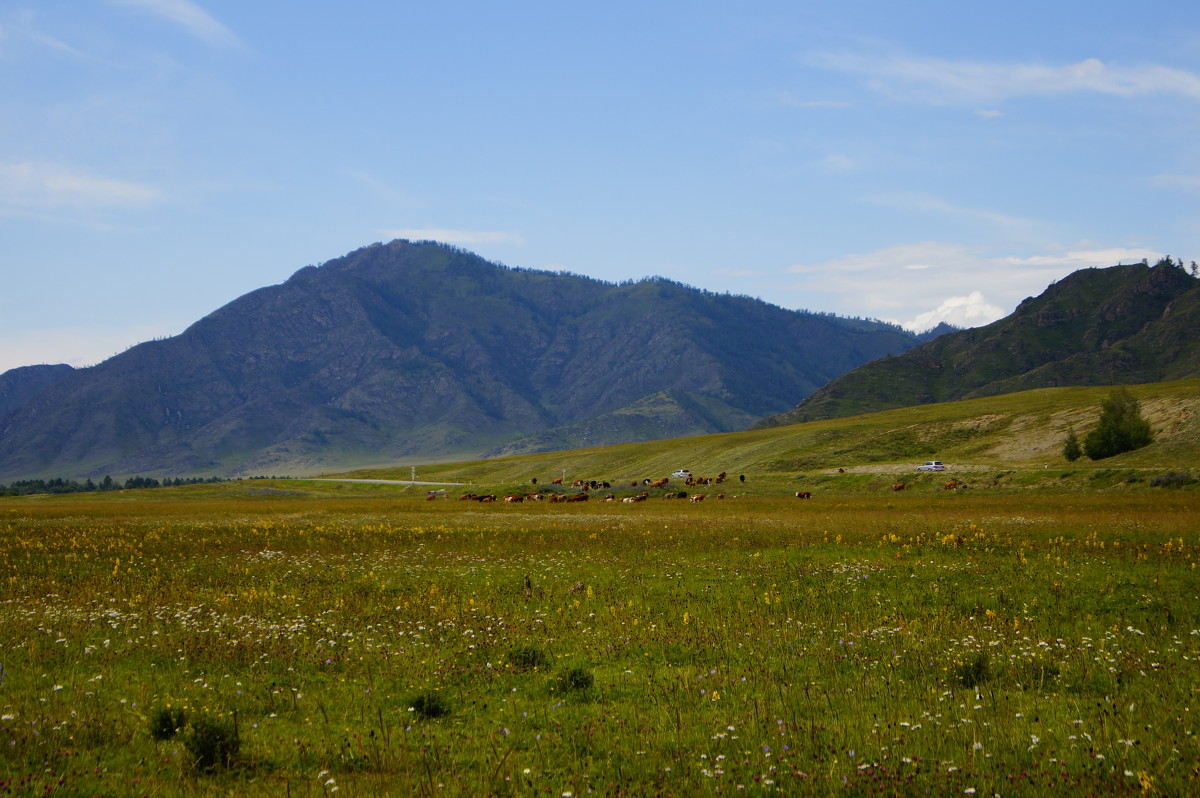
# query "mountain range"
(1120, 325)
(423, 351)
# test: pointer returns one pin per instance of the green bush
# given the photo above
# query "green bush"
(430, 704)
(579, 678)
(166, 722)
(528, 657)
(212, 742)
(1121, 427)
(1071, 448)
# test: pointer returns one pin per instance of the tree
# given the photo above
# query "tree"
(1121, 427)
(1071, 449)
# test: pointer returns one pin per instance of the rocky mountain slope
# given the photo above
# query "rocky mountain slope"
(422, 351)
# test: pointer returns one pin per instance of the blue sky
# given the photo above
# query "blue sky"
(911, 162)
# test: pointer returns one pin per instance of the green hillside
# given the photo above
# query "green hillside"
(1020, 432)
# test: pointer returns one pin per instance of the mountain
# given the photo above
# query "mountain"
(1120, 325)
(20, 385)
(418, 350)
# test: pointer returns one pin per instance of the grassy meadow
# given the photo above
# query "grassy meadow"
(311, 638)
(1037, 633)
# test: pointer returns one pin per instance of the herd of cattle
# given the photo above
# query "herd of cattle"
(584, 487)
(558, 491)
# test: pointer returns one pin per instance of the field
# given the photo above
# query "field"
(300, 638)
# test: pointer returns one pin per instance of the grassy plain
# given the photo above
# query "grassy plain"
(357, 639)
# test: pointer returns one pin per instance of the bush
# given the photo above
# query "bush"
(430, 704)
(528, 657)
(212, 742)
(1173, 479)
(579, 678)
(975, 672)
(1121, 427)
(166, 722)
(1071, 449)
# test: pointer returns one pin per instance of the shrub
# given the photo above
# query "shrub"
(579, 678)
(1172, 479)
(1121, 427)
(528, 657)
(430, 704)
(975, 672)
(166, 722)
(212, 742)
(1071, 448)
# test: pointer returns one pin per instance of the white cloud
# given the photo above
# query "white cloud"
(75, 346)
(188, 15)
(458, 237)
(39, 185)
(920, 284)
(944, 80)
(971, 310)
(988, 113)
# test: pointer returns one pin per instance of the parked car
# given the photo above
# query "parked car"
(932, 465)
(682, 473)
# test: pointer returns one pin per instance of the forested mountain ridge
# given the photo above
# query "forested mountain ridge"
(418, 350)
(1120, 325)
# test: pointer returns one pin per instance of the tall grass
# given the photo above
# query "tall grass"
(996, 642)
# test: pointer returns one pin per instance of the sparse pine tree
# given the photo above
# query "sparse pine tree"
(1071, 448)
(1121, 427)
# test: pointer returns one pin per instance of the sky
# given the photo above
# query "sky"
(912, 162)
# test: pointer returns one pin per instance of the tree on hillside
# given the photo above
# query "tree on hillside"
(1071, 449)
(1121, 427)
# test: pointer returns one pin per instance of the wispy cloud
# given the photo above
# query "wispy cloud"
(791, 101)
(1186, 182)
(188, 15)
(925, 203)
(464, 237)
(32, 186)
(945, 80)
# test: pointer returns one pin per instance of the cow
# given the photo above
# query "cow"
(696, 497)
(578, 497)
(952, 484)
(898, 486)
(513, 498)
(468, 497)
(720, 496)
(658, 483)
(841, 471)
(803, 494)
(556, 481)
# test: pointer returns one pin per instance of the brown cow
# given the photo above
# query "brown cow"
(658, 483)
(696, 497)
(803, 494)
(514, 498)
(952, 484)
(556, 481)
(898, 486)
